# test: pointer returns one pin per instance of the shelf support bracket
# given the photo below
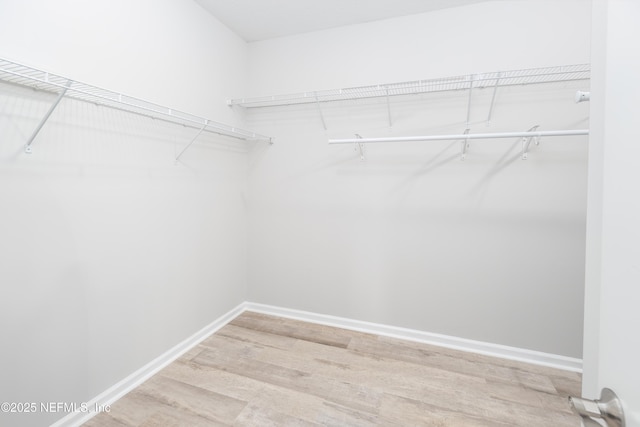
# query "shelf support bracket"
(27, 148)
(493, 98)
(360, 147)
(526, 142)
(471, 80)
(324, 124)
(206, 123)
(389, 108)
(465, 145)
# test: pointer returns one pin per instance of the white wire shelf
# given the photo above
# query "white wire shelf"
(23, 75)
(465, 82)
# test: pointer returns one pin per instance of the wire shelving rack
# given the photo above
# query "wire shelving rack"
(19, 74)
(464, 82)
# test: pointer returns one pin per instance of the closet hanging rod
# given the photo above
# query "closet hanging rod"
(462, 82)
(16, 73)
(536, 134)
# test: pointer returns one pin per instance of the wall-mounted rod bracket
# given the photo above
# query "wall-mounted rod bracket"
(27, 148)
(324, 124)
(526, 142)
(465, 145)
(360, 147)
(493, 99)
(206, 123)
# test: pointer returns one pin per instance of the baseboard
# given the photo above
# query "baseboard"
(479, 347)
(129, 383)
(114, 393)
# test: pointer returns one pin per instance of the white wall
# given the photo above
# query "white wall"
(491, 248)
(110, 254)
(500, 35)
(163, 51)
(612, 350)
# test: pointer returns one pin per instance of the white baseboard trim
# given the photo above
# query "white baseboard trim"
(129, 383)
(479, 347)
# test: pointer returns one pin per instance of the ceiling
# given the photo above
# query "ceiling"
(256, 20)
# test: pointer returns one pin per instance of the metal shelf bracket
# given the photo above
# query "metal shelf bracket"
(472, 78)
(324, 124)
(360, 147)
(389, 108)
(27, 147)
(206, 122)
(526, 142)
(493, 99)
(465, 145)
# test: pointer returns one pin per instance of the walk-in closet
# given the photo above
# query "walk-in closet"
(337, 213)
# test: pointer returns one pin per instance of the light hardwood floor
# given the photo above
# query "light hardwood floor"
(262, 370)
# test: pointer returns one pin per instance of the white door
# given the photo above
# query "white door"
(612, 298)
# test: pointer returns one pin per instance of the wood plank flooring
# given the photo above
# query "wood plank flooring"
(262, 370)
